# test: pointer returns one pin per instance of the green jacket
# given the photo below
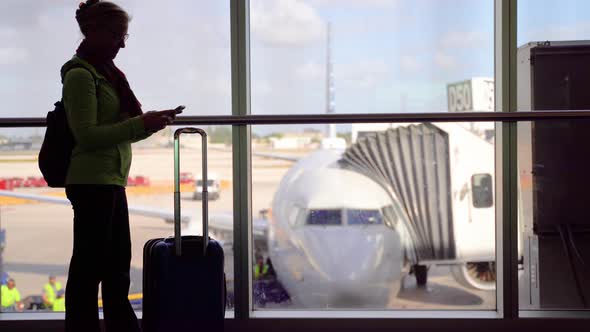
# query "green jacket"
(102, 154)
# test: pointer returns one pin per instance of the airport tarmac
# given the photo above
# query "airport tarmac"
(39, 235)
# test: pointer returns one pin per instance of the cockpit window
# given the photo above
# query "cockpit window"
(364, 217)
(324, 217)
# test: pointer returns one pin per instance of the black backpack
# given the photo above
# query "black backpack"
(56, 150)
(58, 143)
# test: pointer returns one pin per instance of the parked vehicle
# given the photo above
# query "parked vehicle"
(213, 187)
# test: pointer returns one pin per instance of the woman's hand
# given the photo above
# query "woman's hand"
(154, 121)
(170, 114)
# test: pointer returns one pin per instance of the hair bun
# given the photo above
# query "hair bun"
(83, 6)
(88, 3)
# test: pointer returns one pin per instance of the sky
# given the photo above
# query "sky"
(388, 55)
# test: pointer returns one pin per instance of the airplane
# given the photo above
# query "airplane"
(327, 238)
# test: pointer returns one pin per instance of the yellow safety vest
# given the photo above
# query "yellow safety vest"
(9, 296)
(257, 273)
(50, 293)
(60, 304)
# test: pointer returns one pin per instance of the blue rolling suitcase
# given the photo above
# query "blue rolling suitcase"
(183, 278)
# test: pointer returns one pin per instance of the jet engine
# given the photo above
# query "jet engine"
(476, 275)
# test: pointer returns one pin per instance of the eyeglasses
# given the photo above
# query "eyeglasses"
(117, 35)
(122, 38)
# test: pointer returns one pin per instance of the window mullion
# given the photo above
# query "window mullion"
(507, 230)
(242, 202)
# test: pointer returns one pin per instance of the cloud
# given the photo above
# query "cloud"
(310, 71)
(163, 46)
(410, 63)
(219, 85)
(463, 39)
(24, 13)
(285, 23)
(365, 73)
(13, 55)
(262, 88)
(368, 4)
(578, 31)
(7, 32)
(445, 61)
(208, 81)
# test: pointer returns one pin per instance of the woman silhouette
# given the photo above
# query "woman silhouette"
(105, 118)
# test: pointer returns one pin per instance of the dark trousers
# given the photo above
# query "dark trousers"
(102, 253)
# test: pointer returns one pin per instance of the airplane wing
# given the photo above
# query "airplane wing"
(221, 222)
(224, 222)
(275, 156)
(265, 155)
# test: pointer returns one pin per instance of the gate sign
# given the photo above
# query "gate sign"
(460, 96)
(476, 94)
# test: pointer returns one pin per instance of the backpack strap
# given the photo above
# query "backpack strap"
(59, 103)
(91, 73)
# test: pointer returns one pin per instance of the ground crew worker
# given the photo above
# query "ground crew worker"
(260, 269)
(60, 301)
(50, 292)
(10, 297)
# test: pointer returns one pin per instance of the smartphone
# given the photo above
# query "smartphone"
(179, 109)
(176, 111)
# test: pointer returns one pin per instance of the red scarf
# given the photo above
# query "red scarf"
(130, 106)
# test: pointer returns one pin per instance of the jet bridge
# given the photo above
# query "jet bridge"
(412, 164)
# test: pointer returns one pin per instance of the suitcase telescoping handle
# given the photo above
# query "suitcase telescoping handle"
(205, 198)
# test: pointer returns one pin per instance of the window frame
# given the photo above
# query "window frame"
(507, 312)
(505, 68)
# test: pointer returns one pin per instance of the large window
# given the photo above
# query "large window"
(553, 234)
(553, 228)
(315, 56)
(549, 20)
(177, 54)
(391, 219)
(36, 239)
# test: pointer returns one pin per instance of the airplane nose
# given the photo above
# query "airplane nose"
(351, 255)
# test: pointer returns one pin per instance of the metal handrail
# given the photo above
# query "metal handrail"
(346, 118)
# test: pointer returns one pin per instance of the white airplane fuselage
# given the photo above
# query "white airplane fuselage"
(350, 263)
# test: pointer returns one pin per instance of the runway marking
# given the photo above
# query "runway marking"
(18, 160)
(225, 184)
(14, 201)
